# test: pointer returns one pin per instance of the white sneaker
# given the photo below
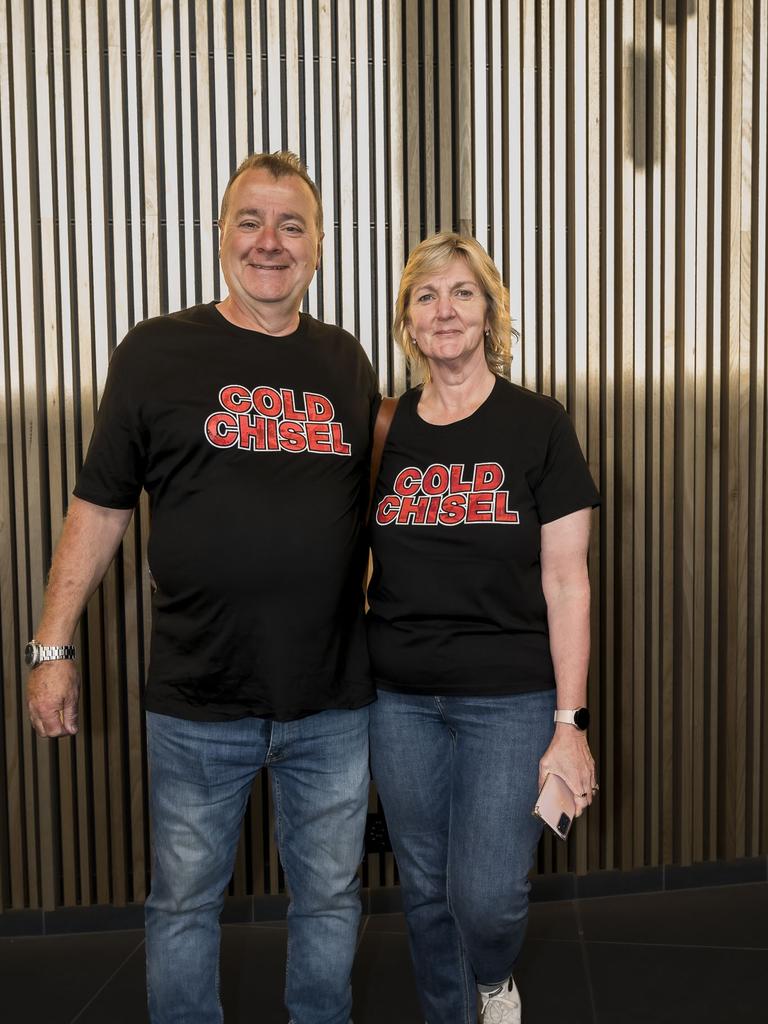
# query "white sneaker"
(501, 1006)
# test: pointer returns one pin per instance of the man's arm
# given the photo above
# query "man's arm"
(87, 545)
(565, 582)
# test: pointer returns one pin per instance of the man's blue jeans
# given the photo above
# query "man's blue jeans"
(458, 780)
(200, 778)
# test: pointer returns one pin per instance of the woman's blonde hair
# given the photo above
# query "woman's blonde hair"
(432, 254)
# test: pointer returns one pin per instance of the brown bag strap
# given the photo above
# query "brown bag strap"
(384, 418)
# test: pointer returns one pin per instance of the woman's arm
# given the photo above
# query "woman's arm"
(564, 579)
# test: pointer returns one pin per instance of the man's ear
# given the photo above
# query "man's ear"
(319, 251)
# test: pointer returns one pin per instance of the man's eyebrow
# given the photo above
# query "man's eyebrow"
(252, 211)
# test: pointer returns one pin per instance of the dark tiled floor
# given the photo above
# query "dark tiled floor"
(695, 956)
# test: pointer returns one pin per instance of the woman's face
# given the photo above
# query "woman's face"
(447, 316)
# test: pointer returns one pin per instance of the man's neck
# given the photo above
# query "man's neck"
(273, 320)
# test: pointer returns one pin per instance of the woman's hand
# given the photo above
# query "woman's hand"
(569, 756)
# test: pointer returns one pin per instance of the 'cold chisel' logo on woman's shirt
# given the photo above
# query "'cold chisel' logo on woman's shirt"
(447, 496)
(264, 419)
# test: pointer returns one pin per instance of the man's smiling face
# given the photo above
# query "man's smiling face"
(270, 245)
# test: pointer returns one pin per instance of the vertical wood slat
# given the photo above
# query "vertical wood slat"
(748, 386)
(630, 723)
(760, 238)
(528, 312)
(463, 217)
(62, 145)
(48, 456)
(577, 264)
(614, 160)
(610, 794)
(543, 374)
(637, 270)
(15, 874)
(446, 145)
(396, 239)
(482, 141)
(670, 775)
(735, 506)
(67, 759)
(716, 439)
(593, 432)
(654, 334)
(699, 416)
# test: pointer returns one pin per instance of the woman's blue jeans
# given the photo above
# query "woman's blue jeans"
(458, 781)
(200, 778)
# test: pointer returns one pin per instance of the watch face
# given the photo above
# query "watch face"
(30, 655)
(581, 718)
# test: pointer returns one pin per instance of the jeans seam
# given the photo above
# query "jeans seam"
(268, 753)
(440, 709)
(279, 837)
(448, 901)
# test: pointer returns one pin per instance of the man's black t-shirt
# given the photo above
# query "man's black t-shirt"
(456, 601)
(254, 452)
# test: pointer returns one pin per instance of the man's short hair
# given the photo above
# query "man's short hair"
(279, 165)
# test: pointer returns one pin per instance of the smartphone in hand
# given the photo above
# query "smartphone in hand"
(555, 805)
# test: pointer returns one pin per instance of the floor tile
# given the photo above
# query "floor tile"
(734, 872)
(555, 921)
(636, 984)
(51, 978)
(392, 923)
(620, 883)
(22, 922)
(553, 887)
(253, 974)
(735, 915)
(123, 1000)
(553, 983)
(383, 989)
(545, 921)
(71, 920)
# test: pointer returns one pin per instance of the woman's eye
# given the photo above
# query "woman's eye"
(422, 299)
(464, 293)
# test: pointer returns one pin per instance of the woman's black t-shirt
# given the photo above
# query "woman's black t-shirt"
(456, 601)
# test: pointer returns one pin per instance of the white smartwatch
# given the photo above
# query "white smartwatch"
(574, 716)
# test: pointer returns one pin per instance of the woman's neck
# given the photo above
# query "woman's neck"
(451, 396)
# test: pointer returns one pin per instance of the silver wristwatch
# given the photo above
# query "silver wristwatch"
(35, 653)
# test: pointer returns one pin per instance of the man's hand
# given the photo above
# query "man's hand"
(569, 756)
(89, 539)
(53, 689)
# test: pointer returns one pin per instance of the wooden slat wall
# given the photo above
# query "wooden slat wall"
(613, 157)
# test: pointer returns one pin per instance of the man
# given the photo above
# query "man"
(248, 423)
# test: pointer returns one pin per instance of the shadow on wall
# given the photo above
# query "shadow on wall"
(641, 70)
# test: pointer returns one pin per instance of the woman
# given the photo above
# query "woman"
(478, 630)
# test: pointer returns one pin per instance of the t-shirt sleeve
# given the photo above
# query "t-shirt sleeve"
(374, 397)
(565, 484)
(114, 468)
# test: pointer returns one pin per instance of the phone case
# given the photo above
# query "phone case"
(556, 806)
